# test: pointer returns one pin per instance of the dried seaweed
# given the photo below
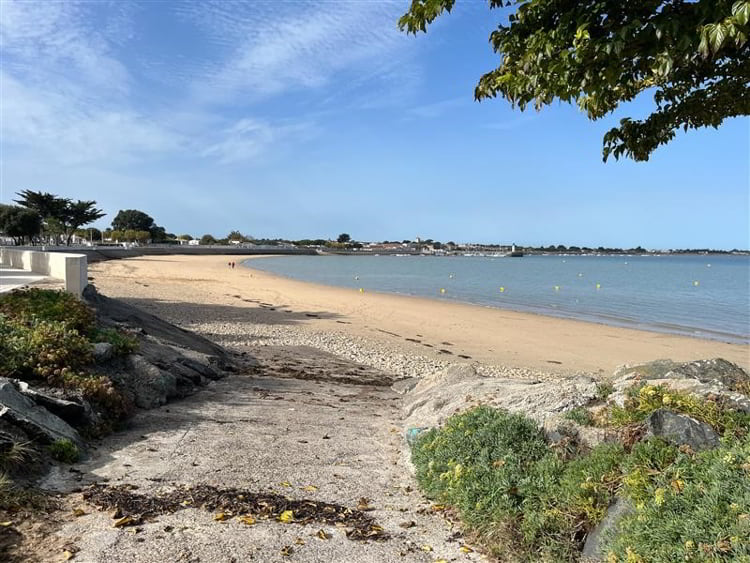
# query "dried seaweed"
(131, 508)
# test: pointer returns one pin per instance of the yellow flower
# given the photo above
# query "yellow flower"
(632, 556)
(659, 496)
(666, 399)
(689, 545)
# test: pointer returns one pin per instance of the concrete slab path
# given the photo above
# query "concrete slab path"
(315, 439)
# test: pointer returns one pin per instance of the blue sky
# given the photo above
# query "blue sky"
(296, 119)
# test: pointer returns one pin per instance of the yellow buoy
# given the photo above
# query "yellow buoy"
(502, 290)
(557, 288)
(442, 290)
(598, 286)
(361, 290)
(696, 283)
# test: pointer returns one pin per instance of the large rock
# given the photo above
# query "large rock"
(716, 378)
(72, 412)
(460, 387)
(150, 386)
(103, 352)
(593, 549)
(681, 430)
(714, 371)
(36, 421)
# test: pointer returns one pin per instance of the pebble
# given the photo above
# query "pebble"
(369, 352)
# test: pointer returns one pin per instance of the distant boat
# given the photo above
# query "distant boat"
(514, 253)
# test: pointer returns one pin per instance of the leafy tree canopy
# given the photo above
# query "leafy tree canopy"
(19, 223)
(344, 238)
(47, 205)
(693, 55)
(132, 219)
(79, 213)
(207, 239)
(236, 235)
(60, 216)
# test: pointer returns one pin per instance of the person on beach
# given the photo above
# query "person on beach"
(233, 265)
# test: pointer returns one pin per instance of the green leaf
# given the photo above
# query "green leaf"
(717, 35)
(741, 12)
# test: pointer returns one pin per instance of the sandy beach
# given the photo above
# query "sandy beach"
(406, 335)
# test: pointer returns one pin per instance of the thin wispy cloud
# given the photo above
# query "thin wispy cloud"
(436, 109)
(249, 138)
(271, 48)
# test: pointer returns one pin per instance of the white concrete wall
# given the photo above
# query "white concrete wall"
(71, 268)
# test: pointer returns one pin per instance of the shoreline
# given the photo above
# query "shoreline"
(245, 306)
(601, 319)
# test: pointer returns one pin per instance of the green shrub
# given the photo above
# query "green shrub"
(521, 501)
(695, 508)
(13, 347)
(497, 470)
(122, 342)
(65, 451)
(48, 305)
(52, 349)
(42, 349)
(580, 415)
(563, 501)
(100, 392)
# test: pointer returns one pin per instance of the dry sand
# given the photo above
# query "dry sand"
(202, 293)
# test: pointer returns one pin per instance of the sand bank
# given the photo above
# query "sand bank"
(229, 304)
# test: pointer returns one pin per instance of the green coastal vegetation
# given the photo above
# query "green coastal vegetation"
(521, 498)
(47, 338)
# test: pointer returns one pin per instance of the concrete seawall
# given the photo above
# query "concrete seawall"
(71, 268)
(102, 253)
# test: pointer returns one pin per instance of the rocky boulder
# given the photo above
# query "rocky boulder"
(149, 385)
(34, 420)
(716, 377)
(681, 430)
(76, 412)
(103, 352)
(460, 387)
(593, 549)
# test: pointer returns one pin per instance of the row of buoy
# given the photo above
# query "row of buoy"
(696, 283)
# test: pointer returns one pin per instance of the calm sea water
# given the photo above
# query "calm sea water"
(706, 296)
